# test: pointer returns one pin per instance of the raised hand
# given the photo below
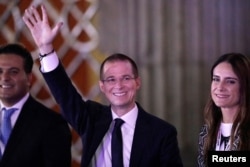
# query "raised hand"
(40, 29)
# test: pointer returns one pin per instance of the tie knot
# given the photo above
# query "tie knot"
(8, 112)
(118, 122)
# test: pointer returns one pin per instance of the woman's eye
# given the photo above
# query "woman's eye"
(231, 81)
(216, 79)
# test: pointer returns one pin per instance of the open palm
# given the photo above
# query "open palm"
(39, 27)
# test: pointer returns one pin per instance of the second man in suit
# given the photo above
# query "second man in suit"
(40, 137)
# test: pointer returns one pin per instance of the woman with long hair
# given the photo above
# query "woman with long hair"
(227, 112)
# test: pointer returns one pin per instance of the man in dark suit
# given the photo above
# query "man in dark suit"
(39, 137)
(147, 140)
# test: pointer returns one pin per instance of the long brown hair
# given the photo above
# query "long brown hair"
(212, 114)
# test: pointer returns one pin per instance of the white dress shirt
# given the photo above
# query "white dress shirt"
(102, 157)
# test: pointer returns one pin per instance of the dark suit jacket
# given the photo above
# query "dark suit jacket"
(154, 144)
(40, 138)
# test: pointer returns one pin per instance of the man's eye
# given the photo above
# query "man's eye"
(127, 78)
(111, 80)
(13, 72)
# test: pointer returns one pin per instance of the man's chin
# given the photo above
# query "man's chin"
(121, 105)
(6, 98)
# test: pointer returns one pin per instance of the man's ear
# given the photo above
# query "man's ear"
(30, 79)
(101, 85)
(138, 82)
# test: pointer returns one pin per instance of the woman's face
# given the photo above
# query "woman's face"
(225, 87)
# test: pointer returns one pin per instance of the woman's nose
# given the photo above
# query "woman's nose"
(220, 86)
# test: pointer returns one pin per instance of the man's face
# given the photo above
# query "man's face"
(119, 84)
(14, 82)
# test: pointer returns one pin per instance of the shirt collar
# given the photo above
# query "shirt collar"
(130, 117)
(19, 104)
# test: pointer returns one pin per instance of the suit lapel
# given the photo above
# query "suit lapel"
(141, 137)
(99, 129)
(22, 124)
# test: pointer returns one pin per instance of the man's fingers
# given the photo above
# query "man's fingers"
(28, 15)
(35, 14)
(28, 19)
(27, 22)
(57, 27)
(44, 14)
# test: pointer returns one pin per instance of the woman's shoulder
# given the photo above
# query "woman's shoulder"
(204, 130)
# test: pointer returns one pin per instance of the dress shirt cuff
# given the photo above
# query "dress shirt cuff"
(49, 63)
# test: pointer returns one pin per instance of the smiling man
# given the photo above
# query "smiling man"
(146, 140)
(36, 135)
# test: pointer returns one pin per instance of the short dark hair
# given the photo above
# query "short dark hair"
(19, 50)
(119, 57)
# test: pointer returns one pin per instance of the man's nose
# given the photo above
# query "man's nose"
(4, 76)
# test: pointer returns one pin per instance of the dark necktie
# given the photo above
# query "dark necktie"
(116, 144)
(6, 124)
(224, 140)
